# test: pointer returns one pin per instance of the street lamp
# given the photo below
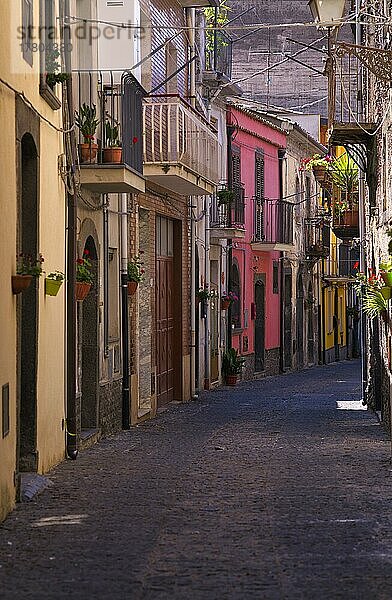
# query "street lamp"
(327, 12)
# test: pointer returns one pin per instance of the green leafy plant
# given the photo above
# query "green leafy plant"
(112, 133)
(222, 17)
(84, 269)
(232, 362)
(340, 206)
(204, 294)
(135, 269)
(28, 265)
(317, 160)
(386, 267)
(52, 67)
(374, 303)
(56, 276)
(225, 197)
(344, 174)
(86, 120)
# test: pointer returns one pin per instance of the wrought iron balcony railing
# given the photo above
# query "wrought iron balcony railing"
(219, 53)
(273, 221)
(316, 238)
(116, 99)
(229, 214)
(178, 141)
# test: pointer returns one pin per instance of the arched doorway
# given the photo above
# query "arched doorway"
(300, 322)
(260, 326)
(89, 345)
(28, 310)
(311, 344)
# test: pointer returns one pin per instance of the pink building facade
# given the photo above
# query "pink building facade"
(256, 154)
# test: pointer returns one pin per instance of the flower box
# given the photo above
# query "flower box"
(81, 290)
(20, 283)
(132, 287)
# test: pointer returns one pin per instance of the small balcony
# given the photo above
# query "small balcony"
(227, 214)
(345, 215)
(110, 154)
(273, 225)
(180, 147)
(218, 62)
(317, 239)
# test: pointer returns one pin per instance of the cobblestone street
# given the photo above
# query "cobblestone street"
(276, 489)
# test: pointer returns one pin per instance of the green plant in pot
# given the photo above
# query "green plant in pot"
(344, 175)
(53, 68)
(232, 365)
(84, 276)
(27, 268)
(386, 272)
(225, 197)
(53, 283)
(135, 273)
(86, 120)
(112, 153)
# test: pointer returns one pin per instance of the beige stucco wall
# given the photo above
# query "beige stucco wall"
(50, 374)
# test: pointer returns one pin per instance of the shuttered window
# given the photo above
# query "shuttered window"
(27, 31)
(236, 166)
(259, 195)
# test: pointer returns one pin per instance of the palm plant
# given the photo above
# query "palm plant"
(344, 174)
(374, 303)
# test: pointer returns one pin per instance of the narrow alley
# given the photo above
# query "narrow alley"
(279, 488)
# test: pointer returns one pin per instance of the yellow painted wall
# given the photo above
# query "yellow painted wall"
(50, 377)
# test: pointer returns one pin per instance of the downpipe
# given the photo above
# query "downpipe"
(126, 392)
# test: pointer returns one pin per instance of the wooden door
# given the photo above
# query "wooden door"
(165, 326)
(287, 340)
(260, 326)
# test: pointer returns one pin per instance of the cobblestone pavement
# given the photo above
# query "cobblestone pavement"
(266, 491)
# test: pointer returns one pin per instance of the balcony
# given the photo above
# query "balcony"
(273, 225)
(227, 218)
(316, 238)
(218, 63)
(180, 148)
(111, 157)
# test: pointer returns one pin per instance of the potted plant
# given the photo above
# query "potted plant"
(227, 299)
(202, 295)
(386, 272)
(84, 277)
(344, 175)
(53, 68)
(135, 274)
(27, 268)
(232, 365)
(53, 283)
(86, 120)
(225, 197)
(319, 164)
(112, 153)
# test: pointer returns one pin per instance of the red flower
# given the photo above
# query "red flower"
(86, 252)
(356, 265)
(135, 139)
(80, 261)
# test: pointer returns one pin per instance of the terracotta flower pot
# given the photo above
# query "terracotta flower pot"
(88, 153)
(81, 290)
(231, 379)
(319, 172)
(52, 286)
(387, 278)
(20, 283)
(132, 287)
(112, 155)
(225, 304)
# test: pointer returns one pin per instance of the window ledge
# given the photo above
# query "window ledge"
(49, 96)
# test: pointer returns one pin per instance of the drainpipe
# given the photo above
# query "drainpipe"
(207, 275)
(281, 158)
(106, 278)
(126, 393)
(190, 19)
(230, 130)
(70, 150)
(193, 300)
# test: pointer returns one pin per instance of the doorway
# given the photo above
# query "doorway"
(89, 342)
(311, 344)
(28, 311)
(287, 315)
(214, 316)
(260, 326)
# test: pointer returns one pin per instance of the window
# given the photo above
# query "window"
(236, 166)
(275, 277)
(27, 31)
(5, 409)
(164, 237)
(236, 289)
